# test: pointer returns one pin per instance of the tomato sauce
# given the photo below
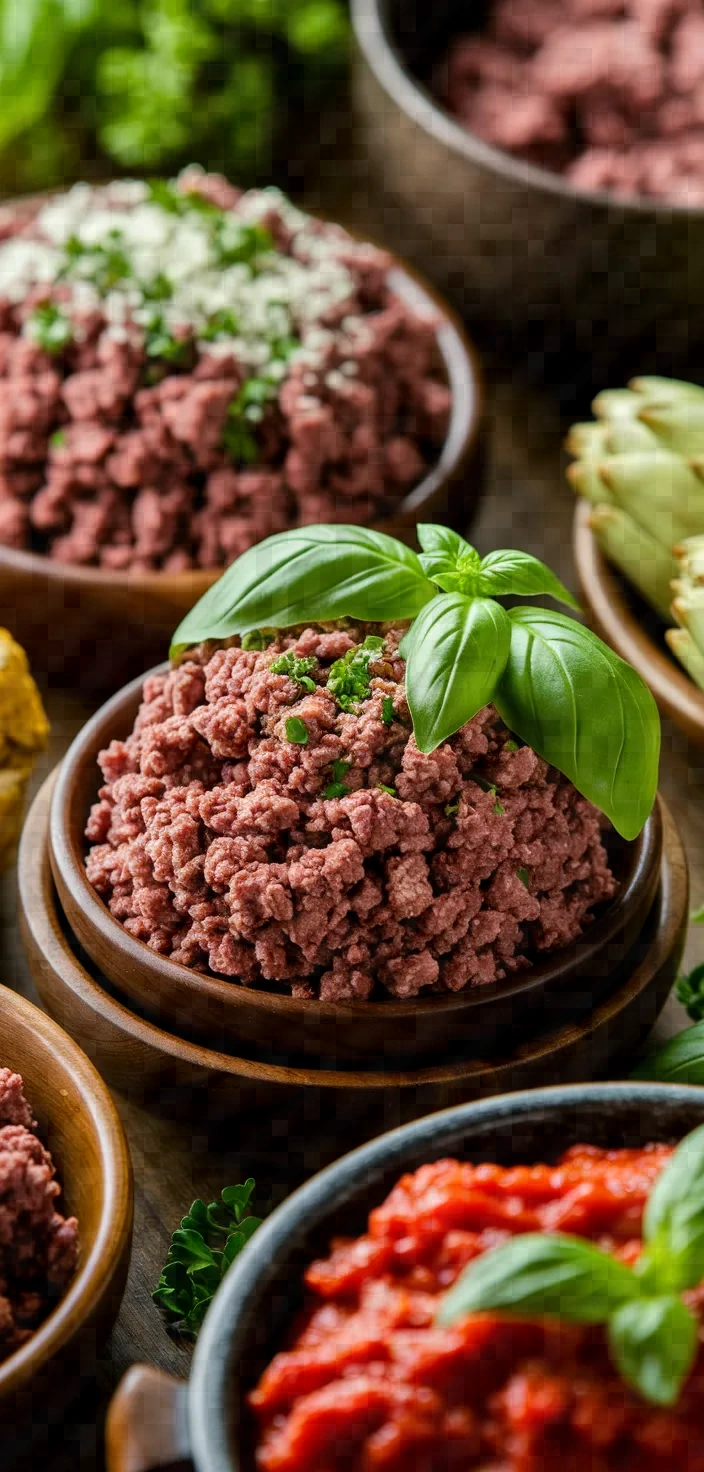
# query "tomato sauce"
(370, 1385)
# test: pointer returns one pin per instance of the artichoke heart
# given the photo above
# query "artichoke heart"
(24, 730)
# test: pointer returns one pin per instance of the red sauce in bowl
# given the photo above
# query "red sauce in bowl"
(371, 1385)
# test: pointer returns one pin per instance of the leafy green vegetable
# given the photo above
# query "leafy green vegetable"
(312, 573)
(524, 877)
(201, 1251)
(255, 640)
(697, 916)
(102, 264)
(296, 731)
(557, 686)
(57, 439)
(296, 667)
(159, 342)
(679, 1061)
(452, 809)
(223, 323)
(652, 1334)
(337, 788)
(390, 791)
(689, 990)
(240, 244)
(456, 658)
(387, 710)
(585, 711)
(50, 328)
(349, 676)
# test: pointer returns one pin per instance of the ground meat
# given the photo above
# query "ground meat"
(38, 1247)
(120, 453)
(346, 865)
(608, 92)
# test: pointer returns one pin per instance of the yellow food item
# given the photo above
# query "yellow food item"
(23, 732)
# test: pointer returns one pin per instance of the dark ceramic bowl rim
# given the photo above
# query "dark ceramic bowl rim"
(464, 375)
(383, 57)
(646, 850)
(220, 1343)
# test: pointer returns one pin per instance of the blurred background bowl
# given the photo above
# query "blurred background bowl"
(617, 279)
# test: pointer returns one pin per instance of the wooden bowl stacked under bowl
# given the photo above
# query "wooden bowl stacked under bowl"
(79, 1125)
(208, 1418)
(94, 628)
(568, 982)
(624, 620)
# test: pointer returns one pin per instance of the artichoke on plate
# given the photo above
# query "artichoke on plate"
(23, 733)
(641, 466)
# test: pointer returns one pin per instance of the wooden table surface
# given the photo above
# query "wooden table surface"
(527, 504)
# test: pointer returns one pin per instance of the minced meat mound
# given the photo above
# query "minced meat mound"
(38, 1247)
(254, 827)
(187, 371)
(608, 92)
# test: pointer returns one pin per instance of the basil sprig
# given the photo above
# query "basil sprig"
(556, 685)
(652, 1335)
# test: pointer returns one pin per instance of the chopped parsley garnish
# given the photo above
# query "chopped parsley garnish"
(50, 328)
(296, 667)
(493, 789)
(383, 788)
(524, 877)
(223, 323)
(159, 342)
(297, 731)
(58, 439)
(452, 808)
(255, 639)
(248, 408)
(179, 201)
(159, 289)
(499, 808)
(337, 788)
(237, 243)
(510, 746)
(349, 677)
(103, 264)
(387, 710)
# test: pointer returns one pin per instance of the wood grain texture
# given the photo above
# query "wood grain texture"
(392, 1031)
(163, 1066)
(614, 615)
(80, 1127)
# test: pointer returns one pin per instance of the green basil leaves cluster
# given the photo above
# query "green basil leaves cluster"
(556, 685)
(651, 1333)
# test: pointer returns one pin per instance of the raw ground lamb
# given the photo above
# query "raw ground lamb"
(38, 1247)
(113, 458)
(608, 92)
(214, 842)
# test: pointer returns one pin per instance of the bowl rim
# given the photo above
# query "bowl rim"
(462, 364)
(70, 875)
(209, 1384)
(603, 592)
(381, 53)
(95, 1272)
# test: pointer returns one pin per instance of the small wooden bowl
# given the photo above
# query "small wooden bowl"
(248, 1322)
(624, 621)
(79, 1125)
(177, 1074)
(94, 628)
(213, 1007)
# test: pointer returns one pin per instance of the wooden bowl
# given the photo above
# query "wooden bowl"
(94, 628)
(513, 244)
(215, 1008)
(624, 621)
(263, 1290)
(177, 1075)
(79, 1125)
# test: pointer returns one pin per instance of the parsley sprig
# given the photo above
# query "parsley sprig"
(50, 328)
(201, 1251)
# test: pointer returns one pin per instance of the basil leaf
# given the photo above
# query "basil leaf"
(585, 711)
(673, 1224)
(517, 572)
(550, 1275)
(447, 559)
(309, 575)
(457, 656)
(679, 1061)
(653, 1343)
